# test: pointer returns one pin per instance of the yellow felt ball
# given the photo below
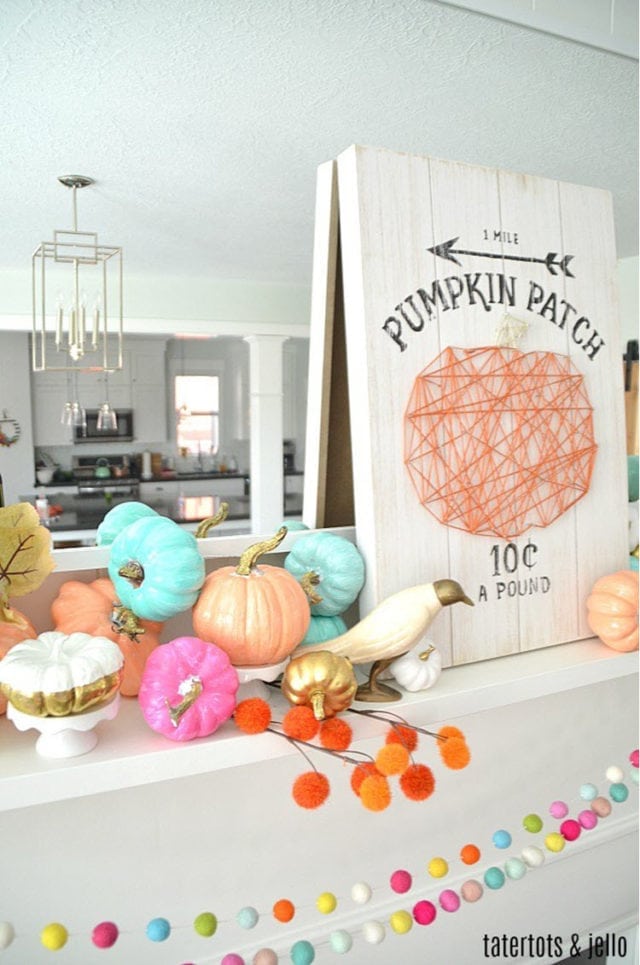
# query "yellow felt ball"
(554, 841)
(401, 922)
(54, 936)
(438, 867)
(326, 903)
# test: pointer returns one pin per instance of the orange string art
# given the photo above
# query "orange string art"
(498, 440)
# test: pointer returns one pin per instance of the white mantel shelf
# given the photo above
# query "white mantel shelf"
(129, 754)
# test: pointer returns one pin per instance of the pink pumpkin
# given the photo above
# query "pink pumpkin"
(188, 689)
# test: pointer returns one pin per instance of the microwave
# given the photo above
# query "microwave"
(91, 433)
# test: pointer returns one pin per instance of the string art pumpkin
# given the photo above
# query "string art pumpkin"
(498, 440)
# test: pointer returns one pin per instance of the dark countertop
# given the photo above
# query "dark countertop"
(114, 481)
(87, 512)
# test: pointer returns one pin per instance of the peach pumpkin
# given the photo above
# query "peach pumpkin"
(92, 608)
(257, 614)
(14, 628)
(612, 609)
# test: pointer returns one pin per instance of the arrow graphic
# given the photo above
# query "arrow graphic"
(552, 260)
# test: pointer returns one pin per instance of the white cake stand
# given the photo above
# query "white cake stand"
(68, 736)
(252, 679)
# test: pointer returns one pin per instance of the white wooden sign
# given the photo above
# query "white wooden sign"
(498, 463)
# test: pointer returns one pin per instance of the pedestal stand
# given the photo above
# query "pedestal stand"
(68, 736)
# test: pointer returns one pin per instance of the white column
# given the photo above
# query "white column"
(265, 386)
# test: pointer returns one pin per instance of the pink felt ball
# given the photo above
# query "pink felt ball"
(424, 912)
(558, 809)
(266, 956)
(105, 934)
(634, 757)
(449, 900)
(472, 890)
(588, 820)
(400, 881)
(232, 959)
(570, 830)
(601, 806)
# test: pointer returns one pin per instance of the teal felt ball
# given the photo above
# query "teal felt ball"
(302, 953)
(494, 878)
(618, 793)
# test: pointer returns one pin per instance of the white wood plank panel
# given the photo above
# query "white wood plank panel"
(548, 605)
(587, 225)
(384, 224)
(466, 206)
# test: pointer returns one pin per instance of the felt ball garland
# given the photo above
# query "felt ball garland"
(105, 934)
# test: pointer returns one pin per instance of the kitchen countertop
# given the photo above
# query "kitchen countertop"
(87, 512)
(82, 480)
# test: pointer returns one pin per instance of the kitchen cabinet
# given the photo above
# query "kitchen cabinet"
(148, 390)
(49, 392)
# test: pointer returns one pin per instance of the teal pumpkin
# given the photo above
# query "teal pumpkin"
(330, 570)
(322, 629)
(156, 568)
(119, 518)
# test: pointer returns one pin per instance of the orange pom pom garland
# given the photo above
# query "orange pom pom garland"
(253, 716)
(310, 790)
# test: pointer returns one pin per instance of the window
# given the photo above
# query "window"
(197, 412)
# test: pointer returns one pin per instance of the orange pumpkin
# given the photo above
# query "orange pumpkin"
(257, 615)
(613, 610)
(14, 628)
(92, 608)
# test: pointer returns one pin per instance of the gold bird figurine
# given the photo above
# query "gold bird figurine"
(391, 629)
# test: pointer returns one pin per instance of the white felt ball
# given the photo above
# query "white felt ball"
(373, 932)
(615, 774)
(7, 934)
(533, 856)
(361, 893)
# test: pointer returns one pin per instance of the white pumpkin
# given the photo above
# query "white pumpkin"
(59, 674)
(418, 669)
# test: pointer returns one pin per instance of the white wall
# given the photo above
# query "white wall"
(17, 467)
(628, 270)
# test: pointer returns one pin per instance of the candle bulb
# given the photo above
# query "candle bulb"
(96, 326)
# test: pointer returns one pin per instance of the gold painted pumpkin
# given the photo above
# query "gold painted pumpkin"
(613, 610)
(58, 674)
(322, 681)
(257, 615)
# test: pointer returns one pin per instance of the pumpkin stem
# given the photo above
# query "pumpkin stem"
(317, 704)
(252, 554)
(124, 620)
(307, 582)
(194, 685)
(207, 524)
(133, 572)
(426, 653)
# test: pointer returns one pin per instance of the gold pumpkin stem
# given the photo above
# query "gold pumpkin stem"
(176, 713)
(307, 582)
(252, 554)
(211, 521)
(317, 704)
(133, 572)
(124, 620)
(426, 653)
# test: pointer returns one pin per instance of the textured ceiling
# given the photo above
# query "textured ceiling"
(203, 121)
